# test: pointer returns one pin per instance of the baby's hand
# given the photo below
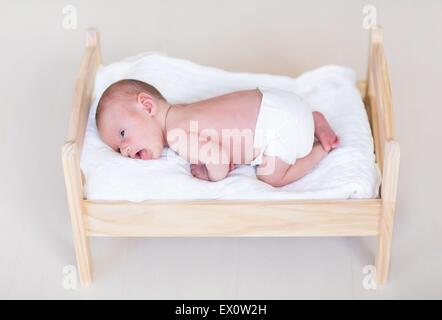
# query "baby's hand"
(199, 171)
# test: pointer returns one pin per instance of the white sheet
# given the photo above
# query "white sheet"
(347, 172)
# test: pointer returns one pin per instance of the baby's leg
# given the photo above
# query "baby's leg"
(324, 133)
(283, 173)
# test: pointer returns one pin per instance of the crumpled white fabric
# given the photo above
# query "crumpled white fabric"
(347, 172)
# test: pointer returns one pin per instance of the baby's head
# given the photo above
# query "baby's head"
(130, 117)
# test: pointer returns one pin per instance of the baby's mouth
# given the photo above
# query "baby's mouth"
(143, 154)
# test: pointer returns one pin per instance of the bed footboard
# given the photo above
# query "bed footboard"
(378, 100)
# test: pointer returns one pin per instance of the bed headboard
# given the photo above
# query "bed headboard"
(378, 96)
(83, 95)
(84, 89)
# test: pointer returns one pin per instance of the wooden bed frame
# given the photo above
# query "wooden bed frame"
(236, 218)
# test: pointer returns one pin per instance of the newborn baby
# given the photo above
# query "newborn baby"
(272, 129)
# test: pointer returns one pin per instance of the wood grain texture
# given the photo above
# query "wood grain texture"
(84, 91)
(362, 87)
(71, 153)
(233, 218)
(388, 195)
(378, 95)
(380, 110)
(74, 190)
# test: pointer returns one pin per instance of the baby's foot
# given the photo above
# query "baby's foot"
(326, 136)
(199, 171)
(328, 139)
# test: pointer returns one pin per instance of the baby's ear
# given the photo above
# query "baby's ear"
(145, 101)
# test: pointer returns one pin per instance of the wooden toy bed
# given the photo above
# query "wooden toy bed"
(236, 218)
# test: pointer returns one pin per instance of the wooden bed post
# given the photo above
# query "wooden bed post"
(386, 221)
(71, 153)
(387, 150)
(74, 189)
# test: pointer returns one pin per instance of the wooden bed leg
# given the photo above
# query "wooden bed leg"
(388, 195)
(72, 176)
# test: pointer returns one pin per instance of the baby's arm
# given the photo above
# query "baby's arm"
(217, 171)
(203, 165)
(278, 173)
(200, 171)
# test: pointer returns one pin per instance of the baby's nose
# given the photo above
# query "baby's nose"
(126, 151)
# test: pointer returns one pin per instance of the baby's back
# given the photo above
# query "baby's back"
(233, 118)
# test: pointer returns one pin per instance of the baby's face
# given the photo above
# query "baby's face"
(132, 132)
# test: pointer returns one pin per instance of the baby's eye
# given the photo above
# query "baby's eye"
(122, 133)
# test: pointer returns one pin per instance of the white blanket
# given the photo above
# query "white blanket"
(347, 172)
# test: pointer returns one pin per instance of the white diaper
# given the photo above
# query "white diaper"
(284, 127)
